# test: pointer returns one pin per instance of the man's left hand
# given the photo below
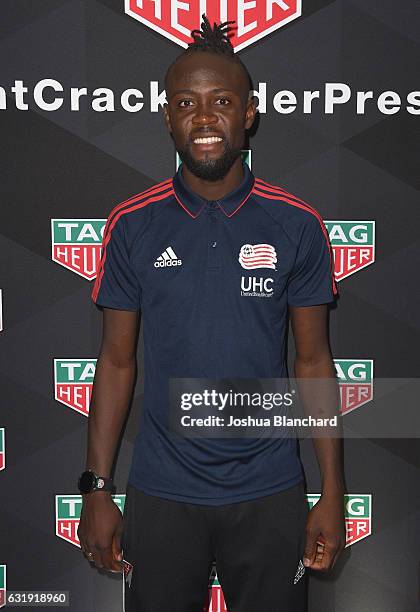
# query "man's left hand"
(325, 533)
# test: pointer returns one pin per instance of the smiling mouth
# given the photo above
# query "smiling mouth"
(208, 140)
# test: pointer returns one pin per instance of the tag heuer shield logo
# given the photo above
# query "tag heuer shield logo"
(216, 598)
(77, 244)
(67, 515)
(2, 585)
(73, 381)
(254, 20)
(358, 515)
(2, 448)
(355, 378)
(353, 245)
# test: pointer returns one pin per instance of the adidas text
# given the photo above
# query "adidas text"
(167, 262)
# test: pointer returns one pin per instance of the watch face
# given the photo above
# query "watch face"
(87, 481)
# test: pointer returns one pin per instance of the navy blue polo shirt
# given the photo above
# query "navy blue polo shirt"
(213, 281)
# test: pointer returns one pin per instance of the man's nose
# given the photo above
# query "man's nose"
(204, 115)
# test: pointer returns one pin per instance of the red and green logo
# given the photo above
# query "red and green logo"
(73, 381)
(358, 515)
(254, 20)
(67, 515)
(216, 601)
(2, 448)
(355, 380)
(77, 244)
(2, 585)
(353, 244)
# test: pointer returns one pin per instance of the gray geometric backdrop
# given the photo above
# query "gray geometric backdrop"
(79, 164)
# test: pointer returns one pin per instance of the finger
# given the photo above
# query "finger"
(96, 559)
(88, 555)
(116, 547)
(323, 563)
(310, 549)
(111, 563)
(86, 552)
(318, 554)
(108, 561)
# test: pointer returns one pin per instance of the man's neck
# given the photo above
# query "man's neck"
(215, 190)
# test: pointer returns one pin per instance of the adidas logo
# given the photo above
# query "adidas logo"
(168, 258)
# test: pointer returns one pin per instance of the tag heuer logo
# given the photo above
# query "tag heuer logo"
(216, 598)
(2, 585)
(253, 20)
(2, 448)
(353, 245)
(67, 515)
(77, 244)
(73, 380)
(355, 379)
(357, 512)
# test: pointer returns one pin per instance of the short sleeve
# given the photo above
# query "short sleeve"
(116, 283)
(312, 281)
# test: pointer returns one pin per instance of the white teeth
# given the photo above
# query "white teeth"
(210, 140)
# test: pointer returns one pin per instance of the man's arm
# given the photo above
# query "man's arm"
(325, 523)
(101, 521)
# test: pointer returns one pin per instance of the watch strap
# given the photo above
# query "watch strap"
(89, 482)
(103, 484)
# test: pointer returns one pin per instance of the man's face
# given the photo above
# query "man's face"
(207, 113)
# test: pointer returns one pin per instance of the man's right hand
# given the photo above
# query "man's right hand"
(100, 530)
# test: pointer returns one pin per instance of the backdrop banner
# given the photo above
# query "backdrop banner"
(81, 93)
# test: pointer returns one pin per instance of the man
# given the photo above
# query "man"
(212, 259)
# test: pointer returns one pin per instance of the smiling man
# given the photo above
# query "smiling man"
(213, 259)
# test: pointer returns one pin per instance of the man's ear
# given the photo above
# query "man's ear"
(166, 116)
(251, 111)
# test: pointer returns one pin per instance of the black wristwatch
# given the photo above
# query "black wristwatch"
(89, 482)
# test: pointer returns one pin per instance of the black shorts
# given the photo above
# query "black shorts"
(257, 546)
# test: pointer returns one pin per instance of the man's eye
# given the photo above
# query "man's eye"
(184, 103)
(223, 101)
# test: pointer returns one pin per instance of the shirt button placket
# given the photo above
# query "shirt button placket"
(213, 248)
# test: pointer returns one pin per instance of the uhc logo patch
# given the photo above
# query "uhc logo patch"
(175, 19)
(77, 244)
(67, 515)
(355, 378)
(73, 381)
(357, 512)
(353, 245)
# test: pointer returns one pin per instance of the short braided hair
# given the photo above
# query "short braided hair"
(212, 40)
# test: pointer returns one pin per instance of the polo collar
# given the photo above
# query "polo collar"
(194, 204)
